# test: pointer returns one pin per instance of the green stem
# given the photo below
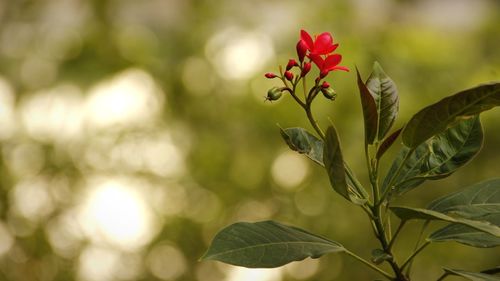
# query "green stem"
(442, 277)
(422, 230)
(410, 258)
(398, 230)
(369, 264)
(313, 121)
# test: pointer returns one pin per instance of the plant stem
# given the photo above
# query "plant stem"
(369, 264)
(313, 121)
(401, 224)
(410, 258)
(442, 277)
(381, 235)
(424, 226)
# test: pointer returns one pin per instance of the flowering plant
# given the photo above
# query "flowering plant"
(437, 140)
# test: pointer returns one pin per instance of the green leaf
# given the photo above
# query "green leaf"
(436, 158)
(385, 95)
(474, 276)
(480, 201)
(370, 113)
(475, 201)
(437, 117)
(267, 244)
(334, 163)
(466, 235)
(300, 140)
(405, 213)
(387, 143)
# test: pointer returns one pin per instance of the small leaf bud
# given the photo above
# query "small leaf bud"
(274, 94)
(329, 93)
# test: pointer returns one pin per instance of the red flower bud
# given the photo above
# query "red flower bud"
(291, 63)
(325, 85)
(270, 75)
(288, 75)
(305, 69)
(301, 50)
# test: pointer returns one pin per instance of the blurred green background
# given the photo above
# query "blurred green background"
(132, 131)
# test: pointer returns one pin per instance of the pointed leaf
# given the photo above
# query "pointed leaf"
(385, 95)
(267, 244)
(405, 213)
(370, 114)
(437, 117)
(334, 163)
(300, 140)
(466, 235)
(474, 276)
(387, 143)
(436, 158)
(475, 201)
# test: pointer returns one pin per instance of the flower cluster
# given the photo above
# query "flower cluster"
(319, 51)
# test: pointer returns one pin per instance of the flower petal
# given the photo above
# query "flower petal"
(318, 60)
(343, 68)
(332, 48)
(332, 60)
(304, 36)
(323, 43)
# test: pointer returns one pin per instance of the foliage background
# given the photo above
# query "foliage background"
(131, 131)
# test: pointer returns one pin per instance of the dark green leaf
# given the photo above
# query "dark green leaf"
(370, 114)
(467, 235)
(405, 213)
(474, 276)
(385, 95)
(334, 163)
(437, 117)
(387, 143)
(267, 244)
(475, 201)
(436, 158)
(300, 140)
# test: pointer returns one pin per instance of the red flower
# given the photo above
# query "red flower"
(330, 63)
(322, 44)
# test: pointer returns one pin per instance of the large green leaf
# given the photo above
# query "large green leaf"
(475, 201)
(466, 235)
(480, 201)
(370, 113)
(437, 117)
(474, 276)
(385, 95)
(334, 163)
(436, 158)
(267, 244)
(300, 140)
(406, 213)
